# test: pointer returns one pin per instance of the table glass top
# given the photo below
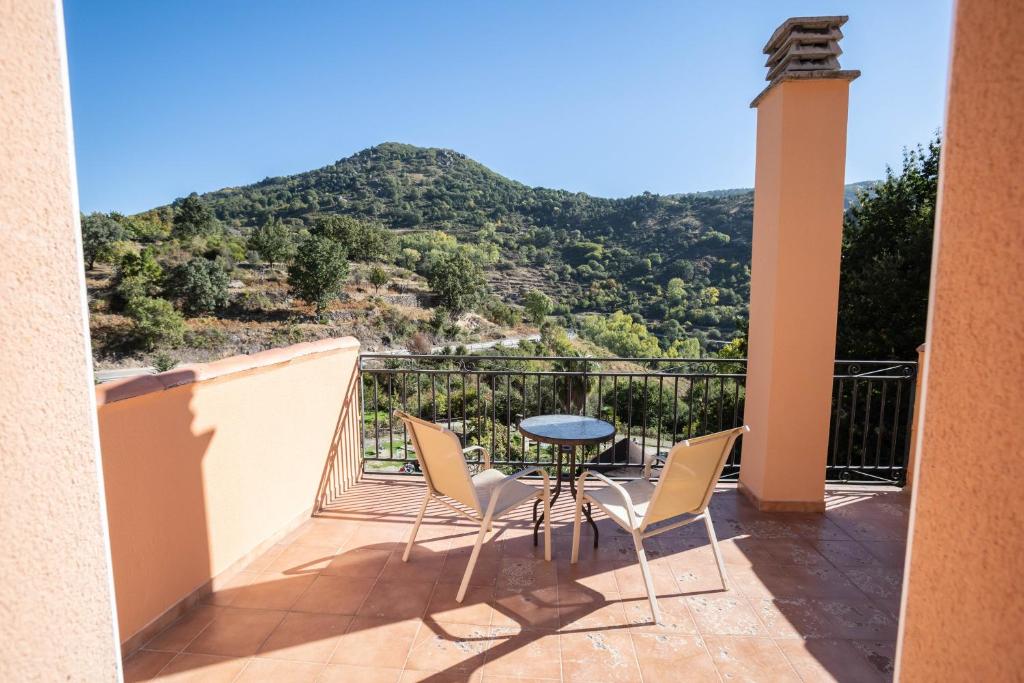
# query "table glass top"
(566, 428)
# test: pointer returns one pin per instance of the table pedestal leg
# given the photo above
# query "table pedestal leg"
(554, 494)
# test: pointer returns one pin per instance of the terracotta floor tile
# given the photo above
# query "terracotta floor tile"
(845, 554)
(272, 591)
(606, 656)
(698, 579)
(745, 552)
(724, 616)
(796, 552)
(889, 553)
(179, 634)
(485, 573)
(536, 608)
(302, 559)
(305, 637)
(881, 583)
(423, 565)
(579, 609)
(324, 532)
(860, 620)
(397, 599)
(475, 609)
(236, 632)
(442, 646)
(358, 563)
(830, 660)
(278, 671)
(675, 616)
(750, 659)
(263, 561)
(382, 642)
(630, 581)
(345, 673)
(195, 668)
(523, 653)
(795, 618)
(410, 676)
(673, 658)
(378, 536)
(224, 591)
(525, 573)
(334, 595)
(587, 575)
(880, 655)
(144, 665)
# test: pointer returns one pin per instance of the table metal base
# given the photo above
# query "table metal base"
(537, 520)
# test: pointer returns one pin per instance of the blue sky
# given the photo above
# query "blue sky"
(609, 98)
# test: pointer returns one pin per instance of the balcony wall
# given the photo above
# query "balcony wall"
(207, 465)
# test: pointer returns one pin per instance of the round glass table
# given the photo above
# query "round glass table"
(565, 433)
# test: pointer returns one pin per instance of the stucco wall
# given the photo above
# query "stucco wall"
(204, 463)
(56, 616)
(964, 610)
(794, 290)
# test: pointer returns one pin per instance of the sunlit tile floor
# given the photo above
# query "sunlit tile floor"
(814, 598)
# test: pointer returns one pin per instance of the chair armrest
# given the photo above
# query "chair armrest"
(487, 455)
(630, 513)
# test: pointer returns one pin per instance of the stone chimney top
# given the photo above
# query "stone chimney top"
(805, 47)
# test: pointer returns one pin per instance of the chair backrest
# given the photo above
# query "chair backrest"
(689, 476)
(439, 453)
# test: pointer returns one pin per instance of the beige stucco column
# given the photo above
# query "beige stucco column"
(963, 609)
(798, 220)
(56, 594)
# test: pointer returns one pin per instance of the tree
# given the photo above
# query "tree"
(457, 280)
(378, 278)
(676, 290)
(621, 335)
(156, 322)
(200, 285)
(138, 275)
(193, 219)
(538, 306)
(99, 233)
(319, 271)
(272, 241)
(363, 241)
(886, 264)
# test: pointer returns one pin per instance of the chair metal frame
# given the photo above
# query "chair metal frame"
(484, 518)
(641, 530)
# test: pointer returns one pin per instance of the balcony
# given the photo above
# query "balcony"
(222, 573)
(815, 597)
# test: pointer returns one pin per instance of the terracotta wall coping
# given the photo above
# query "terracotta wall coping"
(132, 387)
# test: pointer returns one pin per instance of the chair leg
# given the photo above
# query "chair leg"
(641, 557)
(464, 586)
(714, 548)
(416, 528)
(576, 528)
(547, 524)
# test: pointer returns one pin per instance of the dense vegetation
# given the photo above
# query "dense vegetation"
(643, 276)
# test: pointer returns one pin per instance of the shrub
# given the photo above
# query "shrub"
(538, 306)
(378, 278)
(138, 275)
(200, 285)
(272, 241)
(156, 322)
(319, 271)
(192, 219)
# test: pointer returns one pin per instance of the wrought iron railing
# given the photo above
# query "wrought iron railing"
(653, 402)
(872, 408)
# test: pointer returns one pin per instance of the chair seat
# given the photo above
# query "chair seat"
(610, 500)
(514, 493)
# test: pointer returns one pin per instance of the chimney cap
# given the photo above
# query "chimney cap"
(805, 48)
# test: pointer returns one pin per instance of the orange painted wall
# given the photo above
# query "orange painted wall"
(798, 213)
(963, 615)
(56, 612)
(204, 463)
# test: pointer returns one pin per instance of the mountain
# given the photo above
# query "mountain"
(678, 262)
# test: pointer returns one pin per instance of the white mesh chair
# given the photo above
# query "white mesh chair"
(488, 494)
(646, 509)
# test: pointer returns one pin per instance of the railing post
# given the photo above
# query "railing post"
(798, 219)
(915, 424)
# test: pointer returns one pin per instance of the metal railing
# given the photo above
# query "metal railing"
(872, 409)
(653, 403)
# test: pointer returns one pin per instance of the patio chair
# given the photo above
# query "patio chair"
(683, 490)
(487, 494)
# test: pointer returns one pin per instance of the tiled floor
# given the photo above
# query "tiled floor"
(815, 597)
